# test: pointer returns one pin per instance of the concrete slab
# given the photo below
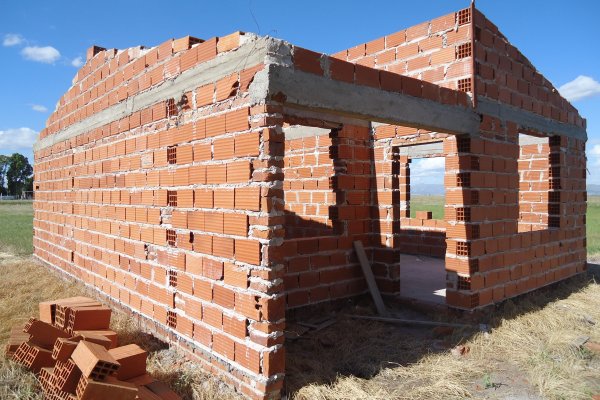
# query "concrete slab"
(423, 278)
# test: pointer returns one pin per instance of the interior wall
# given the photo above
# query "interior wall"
(327, 207)
(534, 182)
(394, 148)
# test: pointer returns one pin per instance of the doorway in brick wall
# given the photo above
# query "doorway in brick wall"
(422, 226)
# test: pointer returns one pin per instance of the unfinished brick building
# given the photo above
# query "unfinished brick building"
(209, 186)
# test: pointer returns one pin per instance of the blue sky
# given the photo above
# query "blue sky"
(42, 42)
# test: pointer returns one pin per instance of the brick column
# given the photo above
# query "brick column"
(390, 204)
(464, 184)
(266, 281)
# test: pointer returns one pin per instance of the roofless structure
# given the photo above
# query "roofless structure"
(208, 186)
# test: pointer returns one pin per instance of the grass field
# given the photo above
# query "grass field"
(593, 226)
(527, 354)
(16, 227)
(435, 204)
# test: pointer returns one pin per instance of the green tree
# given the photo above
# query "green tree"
(3, 169)
(19, 170)
(28, 184)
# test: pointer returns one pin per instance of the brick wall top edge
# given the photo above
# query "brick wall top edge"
(349, 72)
(393, 39)
(105, 70)
(495, 55)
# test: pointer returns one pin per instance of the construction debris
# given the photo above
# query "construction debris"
(579, 342)
(593, 347)
(317, 327)
(76, 356)
(371, 283)
(409, 321)
(460, 351)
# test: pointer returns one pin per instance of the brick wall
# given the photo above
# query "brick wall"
(436, 51)
(327, 202)
(165, 209)
(535, 182)
(410, 235)
(494, 260)
(307, 193)
(200, 213)
(504, 74)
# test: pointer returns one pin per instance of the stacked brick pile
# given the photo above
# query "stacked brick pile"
(76, 356)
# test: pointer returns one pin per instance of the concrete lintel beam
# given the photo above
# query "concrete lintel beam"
(528, 120)
(300, 89)
(422, 150)
(251, 53)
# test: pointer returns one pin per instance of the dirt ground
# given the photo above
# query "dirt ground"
(524, 351)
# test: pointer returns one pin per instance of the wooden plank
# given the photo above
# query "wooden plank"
(366, 268)
(410, 321)
(318, 327)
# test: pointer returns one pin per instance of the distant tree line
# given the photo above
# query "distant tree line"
(16, 175)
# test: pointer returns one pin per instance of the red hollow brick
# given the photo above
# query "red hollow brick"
(248, 251)
(308, 61)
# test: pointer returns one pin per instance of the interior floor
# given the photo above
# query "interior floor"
(423, 278)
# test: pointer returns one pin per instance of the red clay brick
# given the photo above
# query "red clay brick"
(307, 61)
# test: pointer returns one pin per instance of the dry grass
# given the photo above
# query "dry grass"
(24, 284)
(531, 338)
(528, 354)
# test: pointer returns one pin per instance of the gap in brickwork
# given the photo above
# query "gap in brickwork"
(172, 198)
(423, 234)
(171, 237)
(464, 85)
(171, 108)
(426, 187)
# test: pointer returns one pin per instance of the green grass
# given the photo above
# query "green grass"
(593, 225)
(435, 204)
(16, 227)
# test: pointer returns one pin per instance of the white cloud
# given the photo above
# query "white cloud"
(39, 108)
(12, 39)
(595, 151)
(17, 139)
(580, 88)
(77, 62)
(47, 54)
(593, 154)
(427, 170)
(427, 166)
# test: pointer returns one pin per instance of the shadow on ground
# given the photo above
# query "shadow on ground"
(363, 349)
